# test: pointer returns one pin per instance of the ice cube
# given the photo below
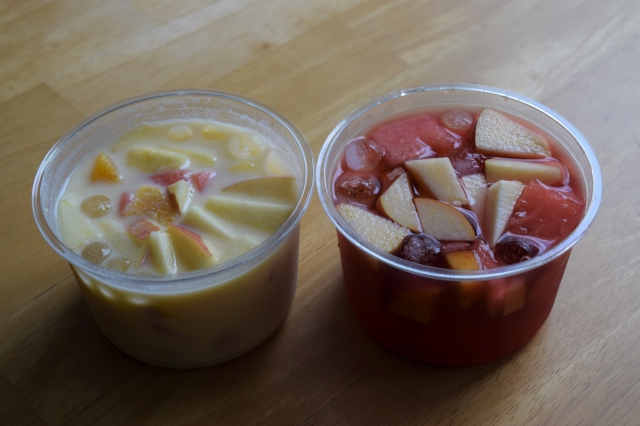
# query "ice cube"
(363, 155)
(456, 121)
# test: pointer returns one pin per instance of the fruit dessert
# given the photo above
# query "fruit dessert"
(176, 196)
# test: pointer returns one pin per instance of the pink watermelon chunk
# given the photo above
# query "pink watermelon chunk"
(418, 136)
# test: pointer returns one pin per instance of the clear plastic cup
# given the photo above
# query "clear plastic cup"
(202, 317)
(459, 317)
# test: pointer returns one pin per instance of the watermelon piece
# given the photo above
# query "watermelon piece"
(545, 212)
(418, 136)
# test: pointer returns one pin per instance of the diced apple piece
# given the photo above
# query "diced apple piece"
(266, 216)
(150, 201)
(523, 171)
(139, 132)
(141, 229)
(162, 254)
(278, 162)
(501, 199)
(436, 176)
(397, 203)
(278, 188)
(199, 218)
(200, 180)
(505, 296)
(149, 160)
(415, 305)
(75, 228)
(501, 136)
(191, 247)
(122, 241)
(378, 231)
(104, 170)
(240, 247)
(464, 260)
(198, 157)
(442, 221)
(181, 193)
(475, 186)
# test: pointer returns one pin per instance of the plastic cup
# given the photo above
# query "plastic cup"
(202, 317)
(456, 317)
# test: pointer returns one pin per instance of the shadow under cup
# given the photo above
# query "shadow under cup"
(197, 318)
(457, 317)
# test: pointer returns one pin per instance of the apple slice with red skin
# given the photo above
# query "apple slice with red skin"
(396, 202)
(181, 193)
(549, 173)
(475, 186)
(141, 229)
(162, 255)
(200, 180)
(192, 249)
(442, 221)
(376, 230)
(436, 176)
(170, 177)
(501, 200)
(275, 188)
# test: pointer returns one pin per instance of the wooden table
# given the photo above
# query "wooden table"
(315, 61)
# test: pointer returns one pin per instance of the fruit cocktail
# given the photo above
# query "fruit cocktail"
(456, 209)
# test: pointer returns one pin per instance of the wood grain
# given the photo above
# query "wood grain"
(315, 61)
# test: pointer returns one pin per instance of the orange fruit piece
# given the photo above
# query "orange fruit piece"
(152, 202)
(104, 170)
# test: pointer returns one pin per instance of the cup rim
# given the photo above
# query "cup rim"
(326, 199)
(143, 281)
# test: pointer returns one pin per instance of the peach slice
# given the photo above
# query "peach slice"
(197, 217)
(476, 188)
(498, 135)
(501, 199)
(277, 188)
(240, 247)
(75, 228)
(162, 254)
(415, 305)
(523, 171)
(192, 249)
(115, 234)
(104, 170)
(437, 177)
(181, 193)
(442, 221)
(397, 203)
(376, 230)
(266, 216)
(463, 260)
(141, 229)
(149, 160)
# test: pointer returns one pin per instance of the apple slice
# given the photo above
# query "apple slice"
(104, 170)
(501, 199)
(376, 230)
(192, 249)
(278, 162)
(266, 216)
(123, 242)
(197, 217)
(463, 260)
(75, 228)
(181, 193)
(505, 296)
(142, 131)
(240, 247)
(443, 222)
(397, 203)
(162, 254)
(437, 177)
(278, 188)
(415, 305)
(501, 136)
(198, 157)
(523, 171)
(141, 229)
(475, 186)
(170, 177)
(149, 160)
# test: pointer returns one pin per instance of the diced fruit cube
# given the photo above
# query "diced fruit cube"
(96, 206)
(363, 155)
(523, 171)
(199, 218)
(545, 212)
(192, 249)
(422, 249)
(200, 180)
(181, 194)
(412, 137)
(247, 146)
(277, 188)
(505, 296)
(141, 229)
(501, 199)
(415, 305)
(197, 157)
(465, 260)
(396, 202)
(180, 133)
(436, 176)
(498, 135)
(442, 221)
(170, 177)
(266, 216)
(121, 241)
(475, 186)
(149, 160)
(96, 252)
(353, 188)
(75, 229)
(149, 201)
(162, 254)
(241, 246)
(457, 121)
(104, 170)
(279, 163)
(376, 230)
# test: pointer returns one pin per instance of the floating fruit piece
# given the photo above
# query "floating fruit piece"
(119, 264)
(181, 194)
(240, 247)
(549, 173)
(124, 205)
(122, 242)
(278, 162)
(198, 157)
(191, 247)
(266, 216)
(475, 187)
(162, 254)
(180, 133)
(212, 132)
(396, 202)
(422, 249)
(415, 305)
(149, 160)
(96, 252)
(457, 121)
(276, 188)
(442, 221)
(200, 180)
(104, 170)
(352, 188)
(170, 177)
(96, 206)
(464, 260)
(501, 199)
(436, 176)
(512, 249)
(139, 132)
(243, 167)
(75, 229)
(141, 229)
(376, 230)
(199, 218)
(498, 135)
(363, 155)
(247, 146)
(151, 201)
